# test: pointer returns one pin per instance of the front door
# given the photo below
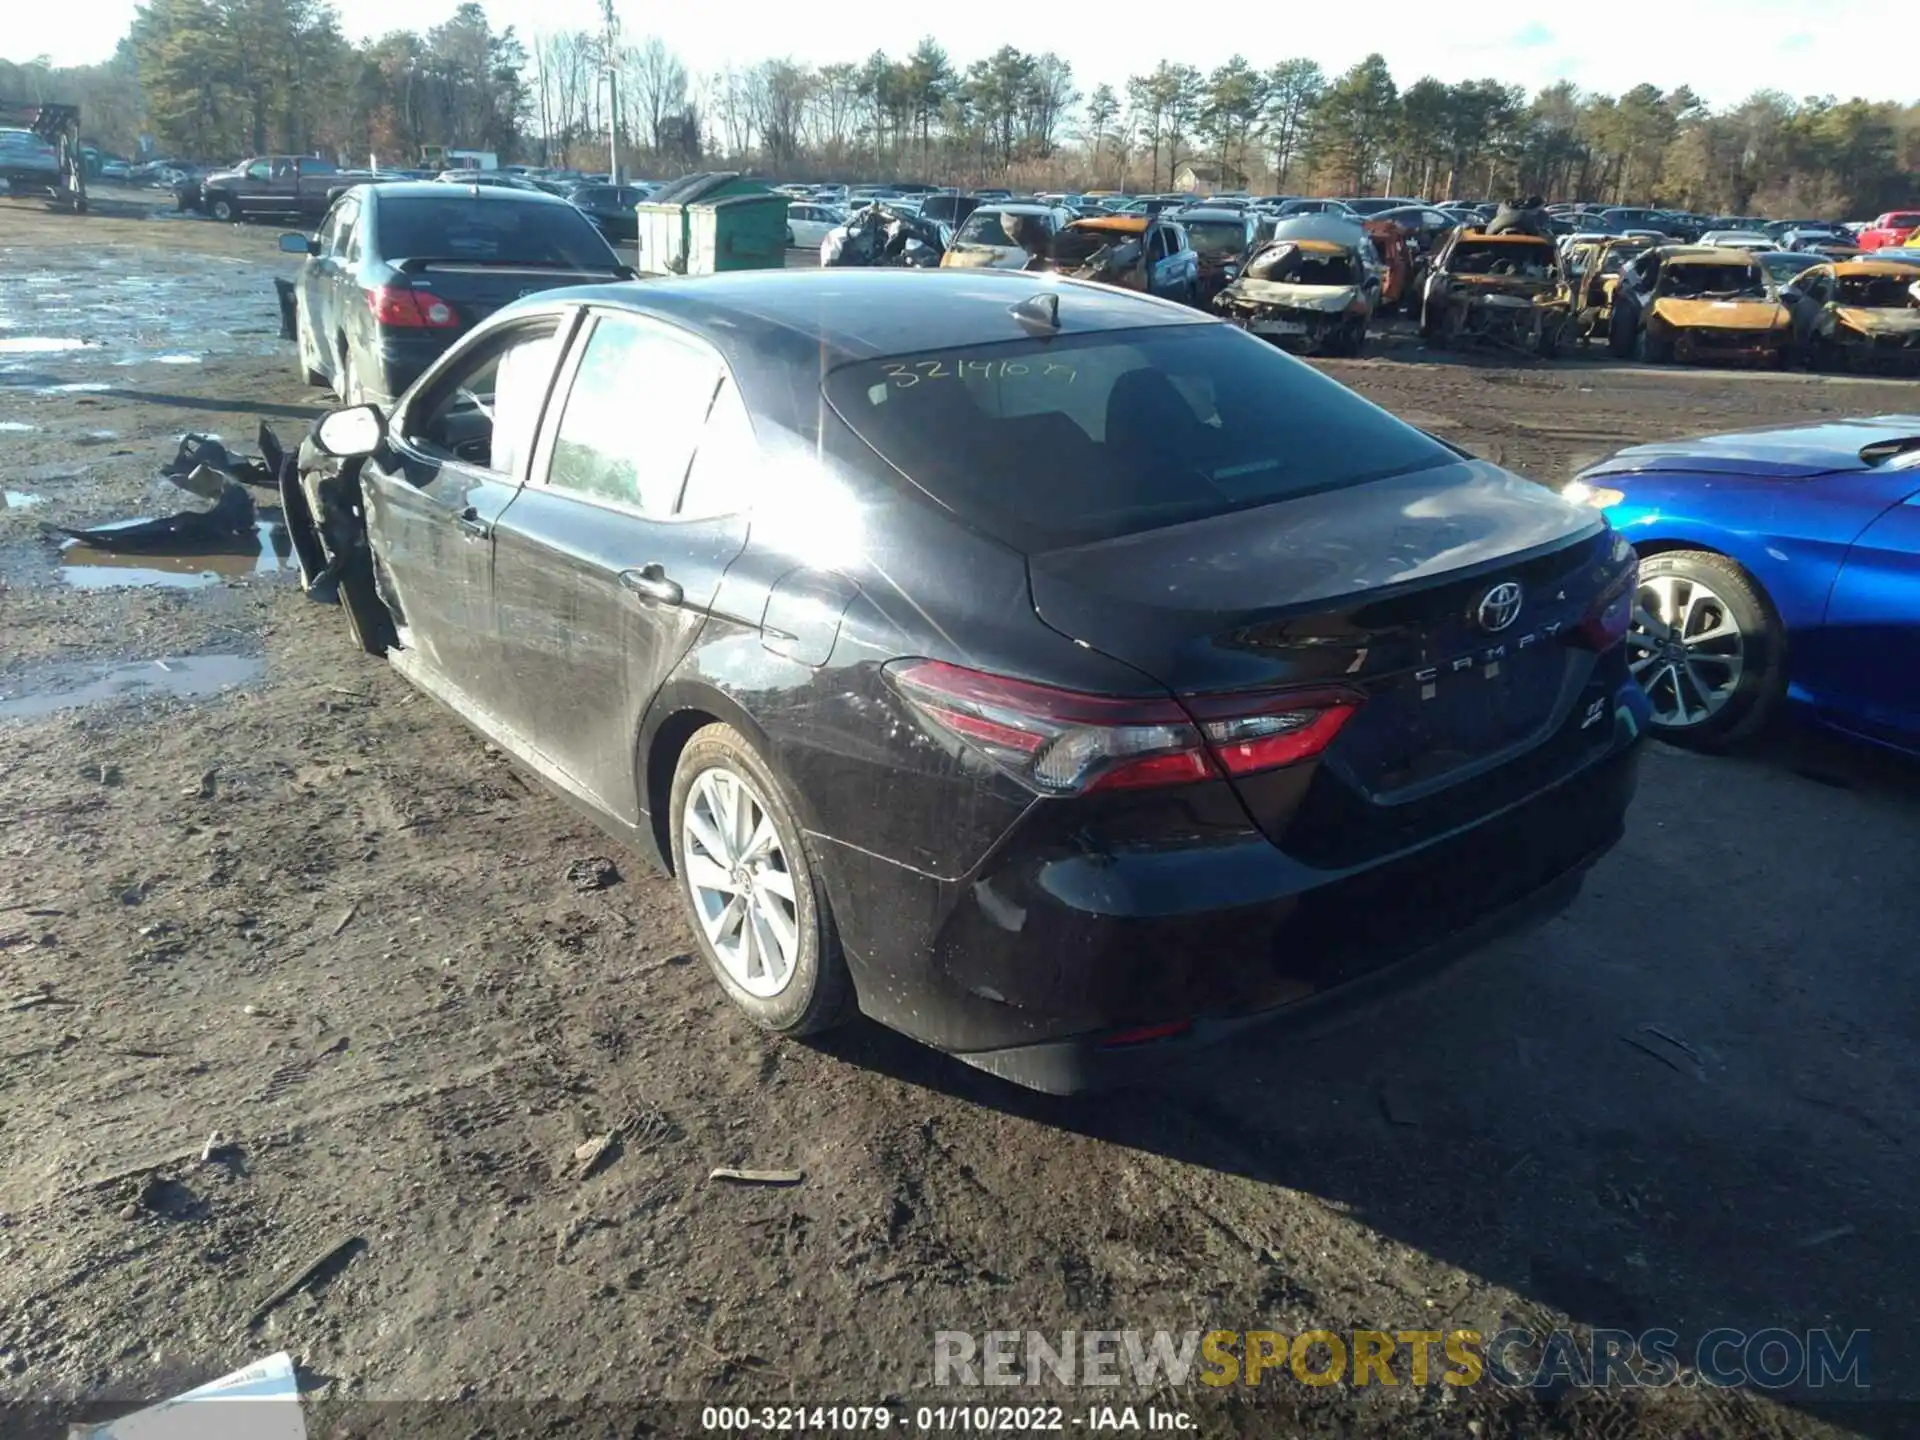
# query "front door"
(602, 578)
(458, 452)
(1870, 644)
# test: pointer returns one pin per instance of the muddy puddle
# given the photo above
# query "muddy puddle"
(56, 325)
(47, 689)
(267, 551)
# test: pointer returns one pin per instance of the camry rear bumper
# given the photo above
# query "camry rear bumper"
(1067, 966)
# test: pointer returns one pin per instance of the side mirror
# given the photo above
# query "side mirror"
(355, 431)
(626, 272)
(294, 243)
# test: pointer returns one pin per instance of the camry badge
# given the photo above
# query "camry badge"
(1499, 607)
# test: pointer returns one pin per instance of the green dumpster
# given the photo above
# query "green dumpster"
(718, 220)
(742, 232)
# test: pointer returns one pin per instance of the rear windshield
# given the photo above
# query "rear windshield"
(949, 208)
(1725, 281)
(1050, 442)
(1881, 292)
(998, 227)
(460, 227)
(1290, 265)
(1076, 246)
(1494, 257)
(1217, 235)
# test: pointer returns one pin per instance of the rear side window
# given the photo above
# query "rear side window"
(1045, 443)
(490, 231)
(633, 416)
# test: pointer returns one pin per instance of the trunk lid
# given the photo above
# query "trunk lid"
(475, 290)
(1381, 588)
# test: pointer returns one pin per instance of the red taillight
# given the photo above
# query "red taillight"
(1606, 624)
(1062, 742)
(414, 309)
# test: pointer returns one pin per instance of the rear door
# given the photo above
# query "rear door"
(333, 283)
(603, 577)
(457, 452)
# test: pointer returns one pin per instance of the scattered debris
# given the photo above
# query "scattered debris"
(208, 780)
(207, 452)
(233, 515)
(1824, 1237)
(325, 1264)
(272, 1379)
(596, 1154)
(596, 872)
(289, 325)
(216, 1148)
(101, 774)
(757, 1177)
(35, 1001)
(346, 919)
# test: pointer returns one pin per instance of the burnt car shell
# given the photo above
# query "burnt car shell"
(1716, 304)
(1311, 295)
(1864, 314)
(1490, 287)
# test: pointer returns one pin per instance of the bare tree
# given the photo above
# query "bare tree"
(656, 83)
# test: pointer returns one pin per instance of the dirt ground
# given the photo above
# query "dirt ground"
(314, 914)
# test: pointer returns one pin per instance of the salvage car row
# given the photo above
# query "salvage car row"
(824, 591)
(1316, 282)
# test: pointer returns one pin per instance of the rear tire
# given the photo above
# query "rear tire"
(741, 914)
(1729, 674)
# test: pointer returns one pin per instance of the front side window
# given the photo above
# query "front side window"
(633, 416)
(260, 170)
(484, 411)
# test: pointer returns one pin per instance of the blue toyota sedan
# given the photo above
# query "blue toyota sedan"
(1776, 565)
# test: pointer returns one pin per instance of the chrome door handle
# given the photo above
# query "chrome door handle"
(471, 525)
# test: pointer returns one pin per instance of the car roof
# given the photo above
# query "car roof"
(1706, 255)
(1017, 207)
(1211, 212)
(1119, 224)
(859, 313)
(440, 189)
(1506, 238)
(1871, 265)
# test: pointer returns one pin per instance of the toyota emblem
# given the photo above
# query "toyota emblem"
(1499, 607)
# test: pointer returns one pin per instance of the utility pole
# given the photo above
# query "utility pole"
(613, 89)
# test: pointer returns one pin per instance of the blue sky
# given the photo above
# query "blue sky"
(1724, 49)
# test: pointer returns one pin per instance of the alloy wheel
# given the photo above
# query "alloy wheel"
(735, 868)
(1685, 649)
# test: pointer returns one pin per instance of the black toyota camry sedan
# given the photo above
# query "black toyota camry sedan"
(1055, 674)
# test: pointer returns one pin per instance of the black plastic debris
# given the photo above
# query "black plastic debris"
(202, 466)
(205, 451)
(232, 515)
(289, 329)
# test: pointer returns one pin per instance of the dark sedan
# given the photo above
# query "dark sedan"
(610, 208)
(397, 272)
(1055, 674)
